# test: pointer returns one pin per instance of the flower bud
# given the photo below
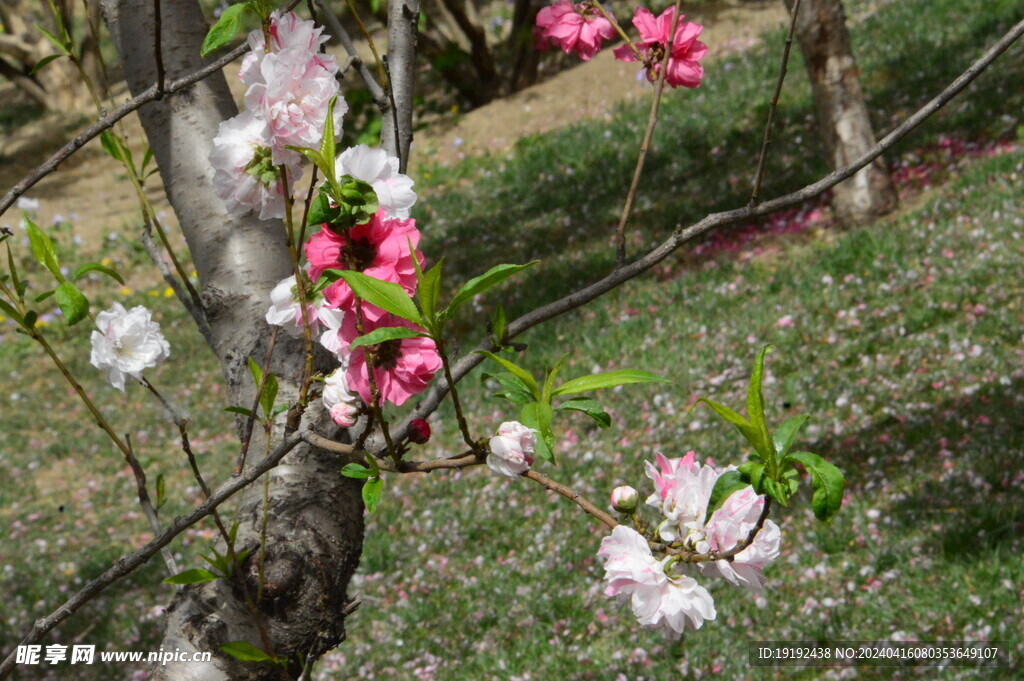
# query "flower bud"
(419, 431)
(625, 499)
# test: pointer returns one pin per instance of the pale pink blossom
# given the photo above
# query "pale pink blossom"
(341, 403)
(658, 599)
(245, 174)
(380, 171)
(402, 368)
(512, 449)
(574, 28)
(686, 52)
(288, 31)
(682, 491)
(286, 310)
(127, 343)
(380, 249)
(292, 95)
(730, 525)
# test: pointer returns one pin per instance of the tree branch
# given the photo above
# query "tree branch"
(573, 496)
(342, 36)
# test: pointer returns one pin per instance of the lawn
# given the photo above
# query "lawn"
(903, 341)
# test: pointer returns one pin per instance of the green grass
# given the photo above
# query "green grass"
(904, 348)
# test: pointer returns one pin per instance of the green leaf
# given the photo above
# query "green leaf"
(161, 491)
(43, 250)
(226, 28)
(193, 576)
(384, 294)
(116, 149)
(9, 310)
(609, 379)
(372, 490)
(549, 380)
(269, 395)
(785, 434)
(538, 415)
(429, 290)
(72, 303)
(776, 490)
(478, 285)
(320, 211)
(516, 370)
(30, 319)
(355, 470)
(327, 146)
(317, 159)
(96, 267)
(498, 323)
(588, 406)
(755, 406)
(62, 45)
(383, 334)
(746, 428)
(828, 483)
(516, 390)
(44, 295)
(19, 285)
(753, 471)
(43, 62)
(240, 410)
(727, 483)
(243, 650)
(255, 370)
(233, 533)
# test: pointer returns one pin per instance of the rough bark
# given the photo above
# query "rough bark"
(842, 115)
(315, 529)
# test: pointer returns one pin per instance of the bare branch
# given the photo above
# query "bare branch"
(573, 496)
(130, 562)
(342, 36)
(147, 505)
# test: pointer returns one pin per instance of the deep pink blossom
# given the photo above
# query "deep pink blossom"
(380, 249)
(574, 28)
(683, 63)
(403, 368)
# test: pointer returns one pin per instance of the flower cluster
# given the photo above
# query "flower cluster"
(661, 592)
(581, 28)
(288, 89)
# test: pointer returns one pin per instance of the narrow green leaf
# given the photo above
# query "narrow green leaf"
(161, 491)
(755, 405)
(193, 576)
(327, 144)
(116, 149)
(96, 267)
(609, 379)
(429, 290)
(785, 434)
(828, 483)
(19, 285)
(355, 470)
(243, 650)
(516, 370)
(514, 390)
(588, 406)
(498, 323)
(318, 160)
(43, 62)
(269, 395)
(384, 294)
(43, 250)
(44, 295)
(549, 380)
(488, 279)
(776, 490)
(385, 333)
(61, 45)
(240, 410)
(746, 428)
(372, 491)
(538, 415)
(520, 399)
(226, 28)
(71, 302)
(233, 533)
(9, 310)
(255, 370)
(727, 483)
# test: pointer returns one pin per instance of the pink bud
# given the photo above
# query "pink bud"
(419, 431)
(344, 414)
(625, 499)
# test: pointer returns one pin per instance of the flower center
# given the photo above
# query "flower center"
(387, 353)
(262, 167)
(362, 254)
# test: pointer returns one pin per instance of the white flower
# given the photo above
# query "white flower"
(512, 452)
(682, 491)
(245, 175)
(127, 342)
(342, 404)
(286, 310)
(658, 599)
(331, 337)
(374, 166)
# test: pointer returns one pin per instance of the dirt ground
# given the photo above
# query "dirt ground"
(88, 188)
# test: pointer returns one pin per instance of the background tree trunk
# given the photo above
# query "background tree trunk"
(315, 531)
(841, 112)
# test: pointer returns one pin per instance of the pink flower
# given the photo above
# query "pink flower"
(244, 173)
(574, 28)
(728, 527)
(658, 599)
(682, 491)
(403, 368)
(512, 449)
(380, 249)
(687, 51)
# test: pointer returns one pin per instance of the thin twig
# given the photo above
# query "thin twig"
(394, 118)
(158, 52)
(456, 403)
(430, 400)
(251, 418)
(773, 107)
(127, 563)
(342, 36)
(147, 505)
(198, 314)
(573, 496)
(652, 122)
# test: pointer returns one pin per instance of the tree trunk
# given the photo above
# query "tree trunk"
(315, 529)
(841, 112)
